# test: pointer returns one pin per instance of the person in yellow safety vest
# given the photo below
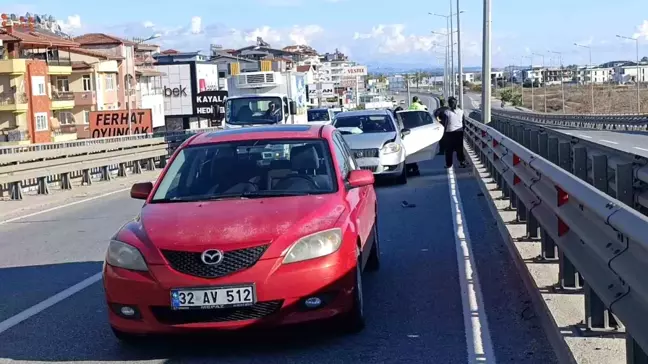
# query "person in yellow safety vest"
(416, 104)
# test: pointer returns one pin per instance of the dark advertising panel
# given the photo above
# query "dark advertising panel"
(211, 105)
(111, 123)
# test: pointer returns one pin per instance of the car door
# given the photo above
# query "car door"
(425, 133)
(359, 200)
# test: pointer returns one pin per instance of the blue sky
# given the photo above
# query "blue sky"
(376, 31)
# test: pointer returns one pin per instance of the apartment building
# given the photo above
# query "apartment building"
(32, 57)
(149, 82)
(125, 50)
(628, 74)
(598, 75)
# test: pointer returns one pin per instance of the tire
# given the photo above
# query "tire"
(373, 263)
(402, 178)
(354, 321)
(127, 338)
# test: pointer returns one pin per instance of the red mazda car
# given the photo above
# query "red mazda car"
(247, 227)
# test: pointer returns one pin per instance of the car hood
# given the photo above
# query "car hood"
(368, 140)
(234, 224)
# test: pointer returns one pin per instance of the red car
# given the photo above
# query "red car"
(245, 228)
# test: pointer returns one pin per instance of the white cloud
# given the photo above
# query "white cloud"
(70, 25)
(391, 39)
(196, 25)
(642, 30)
(148, 24)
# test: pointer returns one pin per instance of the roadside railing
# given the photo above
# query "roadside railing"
(630, 122)
(600, 243)
(621, 175)
(43, 165)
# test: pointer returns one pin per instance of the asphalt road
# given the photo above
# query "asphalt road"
(413, 304)
(626, 141)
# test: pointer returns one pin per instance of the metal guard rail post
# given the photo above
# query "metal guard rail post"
(604, 240)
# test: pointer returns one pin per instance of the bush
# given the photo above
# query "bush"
(476, 88)
(516, 100)
(506, 95)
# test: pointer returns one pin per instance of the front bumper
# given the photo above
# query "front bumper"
(385, 164)
(280, 290)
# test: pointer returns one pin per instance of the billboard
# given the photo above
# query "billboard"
(328, 90)
(349, 82)
(111, 123)
(206, 77)
(211, 104)
(355, 71)
(176, 89)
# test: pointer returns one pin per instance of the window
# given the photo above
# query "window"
(41, 120)
(62, 84)
(38, 86)
(347, 150)
(414, 119)
(86, 116)
(248, 169)
(341, 156)
(110, 82)
(358, 124)
(65, 117)
(87, 83)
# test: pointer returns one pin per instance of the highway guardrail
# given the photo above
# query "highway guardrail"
(601, 243)
(41, 165)
(630, 122)
(619, 174)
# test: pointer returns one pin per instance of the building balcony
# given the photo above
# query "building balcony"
(85, 98)
(59, 67)
(13, 101)
(13, 66)
(62, 100)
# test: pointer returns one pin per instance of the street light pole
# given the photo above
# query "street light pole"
(638, 69)
(128, 85)
(459, 66)
(451, 51)
(486, 64)
(562, 85)
(543, 73)
(591, 72)
(532, 82)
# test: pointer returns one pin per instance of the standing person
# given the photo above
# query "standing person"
(454, 133)
(416, 105)
(439, 114)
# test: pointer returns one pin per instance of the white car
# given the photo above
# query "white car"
(382, 144)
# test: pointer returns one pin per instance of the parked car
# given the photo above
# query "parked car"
(321, 115)
(226, 240)
(383, 145)
(428, 131)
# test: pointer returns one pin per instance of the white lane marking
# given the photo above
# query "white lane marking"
(585, 136)
(608, 141)
(478, 339)
(42, 306)
(639, 148)
(63, 206)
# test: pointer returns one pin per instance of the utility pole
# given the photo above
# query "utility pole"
(543, 75)
(638, 69)
(459, 66)
(591, 71)
(562, 85)
(452, 73)
(486, 64)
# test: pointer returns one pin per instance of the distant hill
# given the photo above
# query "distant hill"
(397, 69)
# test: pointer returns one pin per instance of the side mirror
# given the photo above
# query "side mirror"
(292, 105)
(359, 178)
(141, 191)
(405, 132)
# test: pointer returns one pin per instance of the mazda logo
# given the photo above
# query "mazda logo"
(211, 257)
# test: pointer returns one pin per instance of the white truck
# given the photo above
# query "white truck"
(265, 98)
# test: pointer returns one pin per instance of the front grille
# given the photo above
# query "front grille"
(370, 168)
(366, 153)
(259, 310)
(233, 261)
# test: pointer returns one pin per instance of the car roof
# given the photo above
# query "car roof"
(408, 110)
(363, 112)
(283, 131)
(319, 109)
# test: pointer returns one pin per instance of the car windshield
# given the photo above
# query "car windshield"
(318, 115)
(248, 169)
(364, 124)
(414, 119)
(254, 110)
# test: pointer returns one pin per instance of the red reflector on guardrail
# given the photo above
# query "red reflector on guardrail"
(563, 197)
(516, 160)
(562, 227)
(516, 179)
(483, 133)
(495, 143)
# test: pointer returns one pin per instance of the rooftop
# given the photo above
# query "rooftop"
(101, 39)
(36, 38)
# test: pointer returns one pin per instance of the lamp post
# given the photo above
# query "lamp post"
(486, 63)
(543, 73)
(637, 80)
(451, 43)
(591, 71)
(532, 81)
(562, 85)
(128, 84)
(459, 66)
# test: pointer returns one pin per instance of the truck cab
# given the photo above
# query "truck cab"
(253, 109)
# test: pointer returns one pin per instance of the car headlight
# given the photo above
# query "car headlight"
(125, 256)
(391, 148)
(314, 246)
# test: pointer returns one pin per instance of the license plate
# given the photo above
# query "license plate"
(213, 297)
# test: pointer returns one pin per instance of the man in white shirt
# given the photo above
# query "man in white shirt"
(454, 117)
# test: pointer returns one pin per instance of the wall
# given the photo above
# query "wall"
(38, 103)
(177, 77)
(156, 104)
